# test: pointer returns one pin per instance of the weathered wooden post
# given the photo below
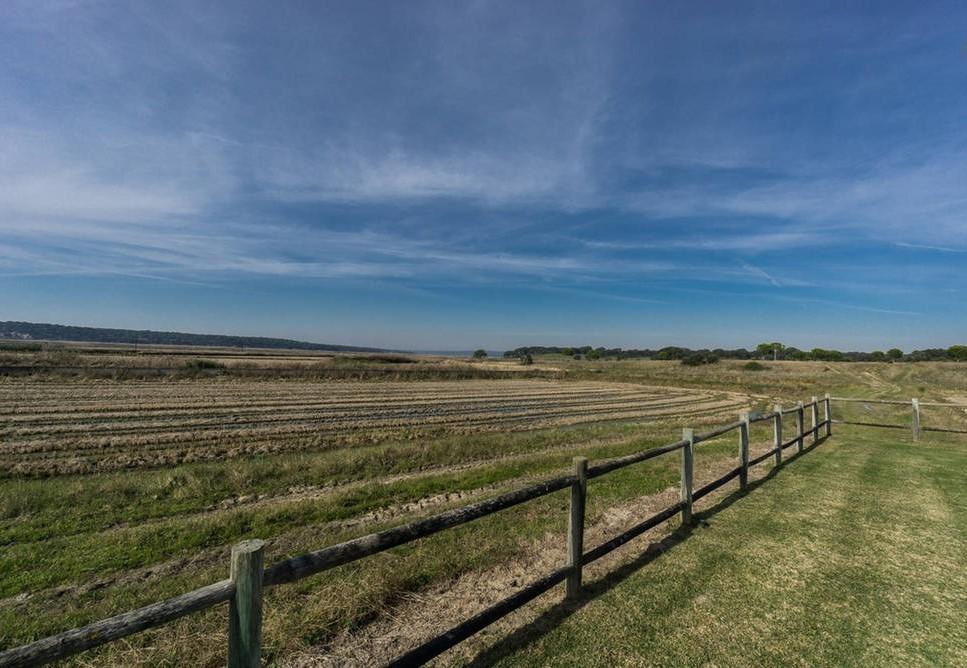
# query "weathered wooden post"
(245, 608)
(828, 410)
(688, 469)
(800, 420)
(916, 419)
(778, 433)
(815, 430)
(744, 451)
(575, 528)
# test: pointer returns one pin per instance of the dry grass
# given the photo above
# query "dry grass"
(84, 427)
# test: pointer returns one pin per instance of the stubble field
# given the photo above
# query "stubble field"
(117, 493)
(56, 428)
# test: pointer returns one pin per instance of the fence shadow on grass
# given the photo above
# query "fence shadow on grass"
(560, 612)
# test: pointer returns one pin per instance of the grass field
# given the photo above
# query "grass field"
(118, 492)
(854, 556)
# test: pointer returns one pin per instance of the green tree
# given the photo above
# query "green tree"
(526, 359)
(958, 353)
(894, 354)
(594, 354)
(773, 348)
(479, 354)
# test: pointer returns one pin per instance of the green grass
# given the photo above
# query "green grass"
(46, 543)
(853, 555)
(313, 610)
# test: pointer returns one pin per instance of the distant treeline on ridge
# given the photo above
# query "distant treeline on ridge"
(31, 331)
(771, 351)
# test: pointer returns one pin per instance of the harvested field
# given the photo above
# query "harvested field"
(164, 476)
(57, 427)
(115, 493)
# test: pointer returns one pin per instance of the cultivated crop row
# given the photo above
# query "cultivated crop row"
(87, 427)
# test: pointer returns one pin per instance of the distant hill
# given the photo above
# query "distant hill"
(31, 331)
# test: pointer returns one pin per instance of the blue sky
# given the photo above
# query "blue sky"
(462, 174)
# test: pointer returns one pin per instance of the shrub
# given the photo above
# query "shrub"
(203, 365)
(526, 359)
(699, 358)
(754, 366)
(365, 361)
(388, 359)
(21, 346)
(479, 354)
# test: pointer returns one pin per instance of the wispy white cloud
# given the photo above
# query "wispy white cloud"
(348, 176)
(795, 299)
(851, 307)
(716, 240)
(942, 249)
(921, 198)
(756, 271)
(596, 294)
(461, 144)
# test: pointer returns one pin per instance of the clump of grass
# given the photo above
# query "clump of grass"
(388, 359)
(21, 346)
(200, 364)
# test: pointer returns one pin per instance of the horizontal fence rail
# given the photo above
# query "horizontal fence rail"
(113, 628)
(916, 425)
(243, 590)
(305, 565)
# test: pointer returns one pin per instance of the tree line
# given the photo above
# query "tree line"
(764, 351)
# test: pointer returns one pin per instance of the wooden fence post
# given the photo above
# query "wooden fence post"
(688, 468)
(245, 608)
(828, 410)
(778, 434)
(575, 528)
(815, 401)
(800, 420)
(744, 451)
(916, 419)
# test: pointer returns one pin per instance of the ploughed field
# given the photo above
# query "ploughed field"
(67, 427)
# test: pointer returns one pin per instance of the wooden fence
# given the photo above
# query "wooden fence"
(248, 577)
(916, 426)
